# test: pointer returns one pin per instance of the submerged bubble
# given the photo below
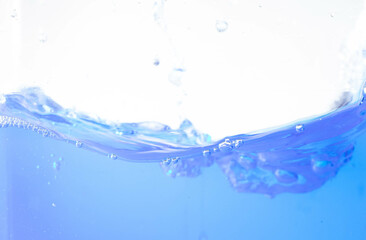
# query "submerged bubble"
(56, 165)
(221, 25)
(175, 160)
(78, 144)
(299, 128)
(167, 161)
(247, 162)
(53, 204)
(285, 176)
(112, 156)
(206, 153)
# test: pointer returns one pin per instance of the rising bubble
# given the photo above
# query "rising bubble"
(221, 25)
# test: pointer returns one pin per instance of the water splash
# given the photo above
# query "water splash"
(273, 162)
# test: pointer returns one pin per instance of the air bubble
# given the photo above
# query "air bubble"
(299, 128)
(112, 156)
(206, 153)
(167, 161)
(247, 162)
(238, 143)
(285, 176)
(322, 166)
(78, 144)
(225, 146)
(56, 165)
(53, 204)
(221, 25)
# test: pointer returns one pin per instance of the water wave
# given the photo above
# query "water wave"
(296, 158)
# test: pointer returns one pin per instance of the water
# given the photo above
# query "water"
(65, 175)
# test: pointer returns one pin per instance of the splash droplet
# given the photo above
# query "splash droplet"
(221, 25)
(156, 62)
(14, 13)
(42, 37)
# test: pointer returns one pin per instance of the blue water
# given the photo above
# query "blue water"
(64, 175)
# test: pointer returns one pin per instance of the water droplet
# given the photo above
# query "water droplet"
(156, 62)
(225, 146)
(14, 13)
(113, 156)
(78, 144)
(175, 76)
(285, 176)
(299, 128)
(221, 25)
(206, 153)
(42, 37)
(53, 205)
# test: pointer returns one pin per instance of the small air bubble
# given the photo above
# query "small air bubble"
(225, 146)
(299, 128)
(285, 176)
(331, 15)
(37, 166)
(167, 161)
(53, 205)
(238, 143)
(206, 153)
(78, 144)
(112, 156)
(175, 160)
(221, 26)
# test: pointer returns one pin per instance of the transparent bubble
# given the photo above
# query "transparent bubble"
(221, 25)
